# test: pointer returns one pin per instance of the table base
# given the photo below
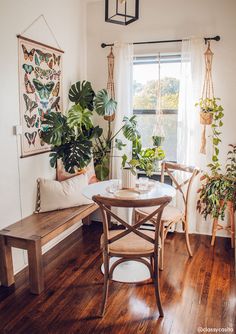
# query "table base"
(129, 271)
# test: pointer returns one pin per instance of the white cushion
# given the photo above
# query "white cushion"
(55, 195)
(170, 212)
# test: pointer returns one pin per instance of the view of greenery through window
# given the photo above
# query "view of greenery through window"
(145, 99)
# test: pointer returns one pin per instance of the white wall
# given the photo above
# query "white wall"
(18, 188)
(162, 20)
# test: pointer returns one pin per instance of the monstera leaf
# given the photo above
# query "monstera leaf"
(78, 117)
(104, 105)
(55, 129)
(83, 94)
(74, 155)
(130, 128)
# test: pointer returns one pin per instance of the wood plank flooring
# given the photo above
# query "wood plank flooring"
(197, 292)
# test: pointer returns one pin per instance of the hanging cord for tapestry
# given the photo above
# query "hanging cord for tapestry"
(207, 93)
(49, 28)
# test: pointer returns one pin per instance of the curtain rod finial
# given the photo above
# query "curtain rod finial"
(103, 45)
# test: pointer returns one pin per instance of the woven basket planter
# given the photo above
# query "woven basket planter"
(206, 118)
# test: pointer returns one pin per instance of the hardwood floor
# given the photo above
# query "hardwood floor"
(197, 292)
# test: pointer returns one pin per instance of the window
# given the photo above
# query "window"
(145, 100)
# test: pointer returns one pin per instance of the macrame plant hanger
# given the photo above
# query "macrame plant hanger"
(158, 130)
(207, 93)
(110, 82)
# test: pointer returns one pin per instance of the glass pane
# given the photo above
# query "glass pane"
(145, 97)
(146, 125)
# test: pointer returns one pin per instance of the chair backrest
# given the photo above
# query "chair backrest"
(169, 168)
(106, 203)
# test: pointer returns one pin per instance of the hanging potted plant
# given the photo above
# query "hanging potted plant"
(208, 103)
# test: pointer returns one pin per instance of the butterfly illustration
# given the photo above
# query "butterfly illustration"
(44, 104)
(28, 85)
(37, 123)
(28, 68)
(41, 73)
(50, 64)
(56, 59)
(36, 60)
(30, 121)
(44, 90)
(56, 90)
(28, 54)
(56, 75)
(55, 105)
(31, 137)
(30, 104)
(42, 113)
(42, 143)
(43, 57)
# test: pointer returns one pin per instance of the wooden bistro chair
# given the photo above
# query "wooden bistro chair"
(171, 214)
(131, 243)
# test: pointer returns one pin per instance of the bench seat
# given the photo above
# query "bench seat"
(31, 233)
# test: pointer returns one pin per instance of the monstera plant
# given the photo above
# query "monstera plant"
(73, 136)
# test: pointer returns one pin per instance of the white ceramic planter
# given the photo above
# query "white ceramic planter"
(128, 179)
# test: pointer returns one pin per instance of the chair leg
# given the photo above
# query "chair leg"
(106, 283)
(187, 238)
(156, 286)
(162, 247)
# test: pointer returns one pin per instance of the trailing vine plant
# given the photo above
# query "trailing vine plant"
(217, 123)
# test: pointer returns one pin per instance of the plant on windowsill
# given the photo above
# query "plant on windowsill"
(143, 159)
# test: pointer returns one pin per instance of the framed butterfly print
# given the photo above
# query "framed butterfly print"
(40, 88)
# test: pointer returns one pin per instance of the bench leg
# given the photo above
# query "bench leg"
(35, 266)
(6, 266)
(87, 220)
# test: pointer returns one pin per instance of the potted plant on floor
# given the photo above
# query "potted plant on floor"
(75, 139)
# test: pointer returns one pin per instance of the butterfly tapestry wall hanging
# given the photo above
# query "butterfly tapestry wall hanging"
(40, 81)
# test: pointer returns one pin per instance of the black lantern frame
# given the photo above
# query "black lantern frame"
(123, 18)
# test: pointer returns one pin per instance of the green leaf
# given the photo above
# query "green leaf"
(119, 144)
(83, 94)
(76, 154)
(104, 105)
(130, 128)
(214, 158)
(102, 172)
(124, 159)
(55, 129)
(96, 132)
(78, 117)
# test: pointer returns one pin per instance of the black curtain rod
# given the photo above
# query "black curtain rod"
(216, 38)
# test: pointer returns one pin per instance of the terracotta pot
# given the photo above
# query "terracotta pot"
(205, 118)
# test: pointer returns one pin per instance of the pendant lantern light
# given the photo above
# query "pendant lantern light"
(121, 12)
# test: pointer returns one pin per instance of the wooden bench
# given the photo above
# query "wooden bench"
(31, 233)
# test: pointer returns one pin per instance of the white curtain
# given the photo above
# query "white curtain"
(189, 128)
(124, 94)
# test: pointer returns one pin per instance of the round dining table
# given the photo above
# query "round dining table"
(129, 271)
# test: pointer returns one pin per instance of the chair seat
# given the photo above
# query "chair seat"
(130, 244)
(170, 213)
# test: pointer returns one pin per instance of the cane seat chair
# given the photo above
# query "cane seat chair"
(131, 243)
(172, 215)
